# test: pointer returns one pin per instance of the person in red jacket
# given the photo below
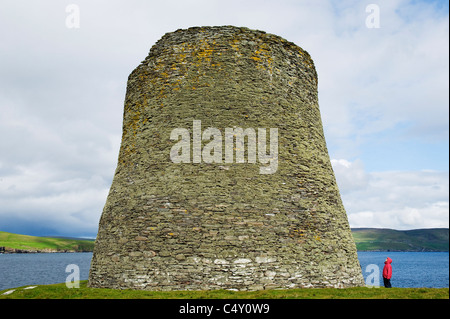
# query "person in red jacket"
(387, 273)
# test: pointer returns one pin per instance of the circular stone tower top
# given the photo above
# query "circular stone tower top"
(223, 179)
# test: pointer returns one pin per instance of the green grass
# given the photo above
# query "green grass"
(60, 291)
(39, 243)
(369, 239)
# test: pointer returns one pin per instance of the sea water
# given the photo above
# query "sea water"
(410, 269)
(18, 270)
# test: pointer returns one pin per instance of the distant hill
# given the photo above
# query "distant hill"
(380, 239)
(366, 239)
(15, 243)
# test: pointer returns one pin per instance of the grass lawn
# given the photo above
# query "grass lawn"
(60, 291)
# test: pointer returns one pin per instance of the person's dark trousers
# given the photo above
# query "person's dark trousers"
(387, 283)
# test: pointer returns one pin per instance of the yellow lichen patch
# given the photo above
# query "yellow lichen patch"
(306, 58)
(263, 57)
(235, 44)
(205, 54)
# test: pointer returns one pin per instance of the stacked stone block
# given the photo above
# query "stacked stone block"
(222, 225)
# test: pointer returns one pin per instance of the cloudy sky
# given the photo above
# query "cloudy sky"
(383, 94)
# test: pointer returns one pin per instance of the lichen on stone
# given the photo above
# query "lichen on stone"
(183, 226)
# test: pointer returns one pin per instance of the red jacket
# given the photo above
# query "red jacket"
(387, 270)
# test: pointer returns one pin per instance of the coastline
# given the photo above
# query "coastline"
(9, 250)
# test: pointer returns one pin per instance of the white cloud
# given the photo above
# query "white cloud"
(431, 216)
(62, 92)
(39, 194)
(352, 176)
(373, 80)
(398, 200)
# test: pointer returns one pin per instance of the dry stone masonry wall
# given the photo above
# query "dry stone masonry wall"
(221, 224)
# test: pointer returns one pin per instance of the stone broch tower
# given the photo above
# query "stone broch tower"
(221, 224)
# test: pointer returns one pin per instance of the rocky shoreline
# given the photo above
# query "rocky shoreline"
(9, 250)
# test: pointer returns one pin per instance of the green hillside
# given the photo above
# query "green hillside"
(366, 239)
(10, 242)
(375, 239)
